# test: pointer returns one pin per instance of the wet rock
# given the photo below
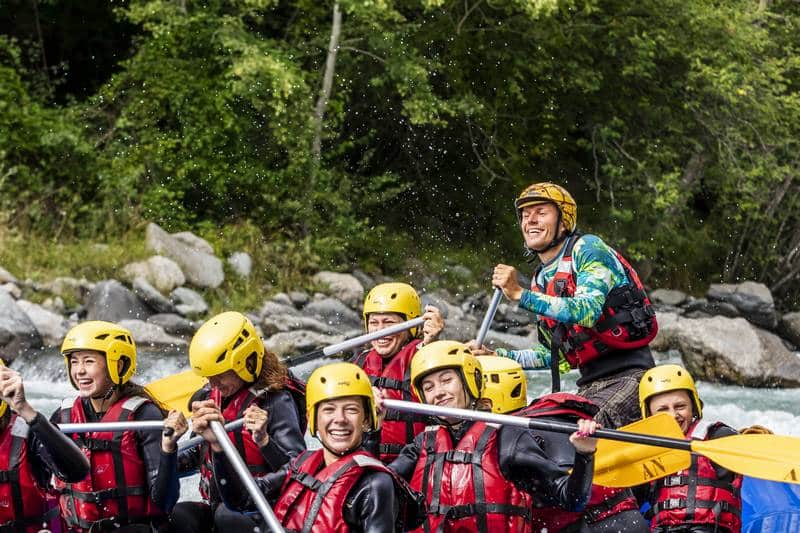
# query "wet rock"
(497, 339)
(272, 308)
(753, 300)
(367, 281)
(161, 272)
(512, 315)
(7, 277)
(272, 324)
(55, 305)
(299, 342)
(51, 326)
(17, 331)
(147, 334)
(174, 324)
(333, 312)
(111, 301)
(702, 305)
(730, 350)
(200, 267)
(441, 300)
(460, 330)
(241, 263)
(343, 287)
(149, 295)
(668, 297)
(299, 298)
(188, 302)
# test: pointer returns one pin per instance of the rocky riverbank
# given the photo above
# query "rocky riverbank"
(732, 335)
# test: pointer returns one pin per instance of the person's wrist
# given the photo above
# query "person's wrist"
(27, 412)
(169, 446)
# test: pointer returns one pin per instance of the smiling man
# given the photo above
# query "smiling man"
(388, 362)
(340, 487)
(592, 310)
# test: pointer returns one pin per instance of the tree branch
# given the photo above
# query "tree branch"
(327, 82)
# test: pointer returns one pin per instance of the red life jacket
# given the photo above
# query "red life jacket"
(398, 428)
(243, 440)
(627, 321)
(603, 501)
(464, 487)
(23, 505)
(116, 488)
(313, 495)
(697, 496)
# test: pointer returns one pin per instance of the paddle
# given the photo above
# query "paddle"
(195, 441)
(244, 474)
(772, 457)
(488, 317)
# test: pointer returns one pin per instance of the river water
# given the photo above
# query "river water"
(46, 385)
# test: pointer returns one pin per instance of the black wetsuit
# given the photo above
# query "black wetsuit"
(285, 442)
(370, 506)
(50, 452)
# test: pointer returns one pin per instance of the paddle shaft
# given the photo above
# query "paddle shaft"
(194, 441)
(488, 317)
(533, 423)
(244, 474)
(89, 427)
(355, 342)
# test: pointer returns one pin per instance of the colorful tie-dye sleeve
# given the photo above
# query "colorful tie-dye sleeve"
(597, 272)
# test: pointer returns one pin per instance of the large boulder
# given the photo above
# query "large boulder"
(193, 241)
(497, 339)
(200, 267)
(161, 272)
(147, 334)
(789, 327)
(17, 331)
(461, 330)
(271, 308)
(65, 287)
(668, 297)
(333, 312)
(12, 289)
(111, 301)
(150, 295)
(174, 324)
(730, 350)
(188, 302)
(344, 287)
(51, 326)
(753, 300)
(300, 341)
(272, 324)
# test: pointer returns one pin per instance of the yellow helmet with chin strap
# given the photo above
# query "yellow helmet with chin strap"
(227, 341)
(338, 380)
(3, 404)
(667, 378)
(113, 341)
(440, 355)
(400, 298)
(504, 383)
(550, 193)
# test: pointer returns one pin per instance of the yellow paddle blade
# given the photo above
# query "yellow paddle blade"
(624, 464)
(772, 457)
(174, 392)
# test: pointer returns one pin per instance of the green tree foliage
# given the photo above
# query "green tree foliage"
(675, 122)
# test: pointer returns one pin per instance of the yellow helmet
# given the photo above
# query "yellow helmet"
(398, 298)
(226, 342)
(504, 383)
(3, 405)
(112, 340)
(338, 380)
(666, 378)
(550, 193)
(447, 354)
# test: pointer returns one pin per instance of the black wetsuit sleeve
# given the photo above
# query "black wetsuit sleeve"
(371, 505)
(524, 462)
(232, 490)
(162, 467)
(283, 426)
(406, 462)
(54, 453)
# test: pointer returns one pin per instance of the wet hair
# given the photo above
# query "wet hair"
(274, 375)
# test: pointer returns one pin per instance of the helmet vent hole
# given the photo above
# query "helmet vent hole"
(680, 373)
(322, 379)
(495, 378)
(393, 296)
(517, 390)
(122, 338)
(245, 333)
(238, 342)
(102, 337)
(358, 375)
(454, 351)
(221, 357)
